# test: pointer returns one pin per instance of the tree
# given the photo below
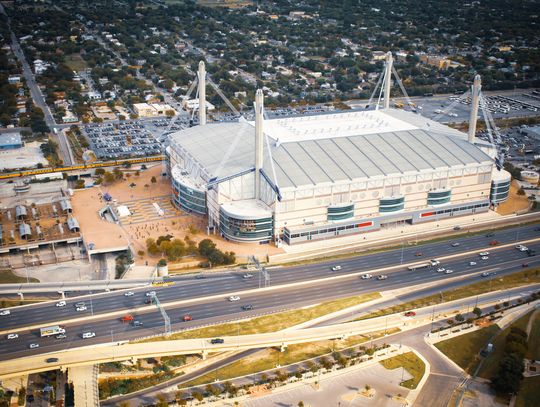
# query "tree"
(161, 400)
(477, 311)
(300, 403)
(108, 177)
(206, 247)
(21, 399)
(198, 396)
(521, 191)
(153, 180)
(118, 174)
(460, 318)
(100, 171)
(509, 376)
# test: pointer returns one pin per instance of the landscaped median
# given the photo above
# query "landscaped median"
(520, 278)
(411, 363)
(273, 322)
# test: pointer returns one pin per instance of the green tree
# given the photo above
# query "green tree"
(509, 375)
(477, 311)
(153, 180)
(206, 247)
(108, 177)
(21, 399)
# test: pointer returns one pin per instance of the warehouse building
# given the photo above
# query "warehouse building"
(315, 177)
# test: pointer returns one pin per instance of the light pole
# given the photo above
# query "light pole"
(402, 249)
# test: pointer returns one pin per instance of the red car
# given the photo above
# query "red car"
(525, 265)
(418, 254)
(127, 318)
(494, 243)
(410, 314)
(187, 318)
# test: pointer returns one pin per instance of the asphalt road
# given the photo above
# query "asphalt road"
(220, 310)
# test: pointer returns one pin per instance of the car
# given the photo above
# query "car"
(187, 318)
(200, 276)
(455, 244)
(441, 269)
(482, 254)
(137, 323)
(148, 301)
(61, 303)
(382, 277)
(13, 336)
(83, 308)
(490, 234)
(531, 252)
(61, 336)
(472, 263)
(247, 275)
(151, 294)
(336, 268)
(234, 298)
(51, 360)
(487, 273)
(87, 335)
(448, 271)
(366, 276)
(457, 227)
(129, 294)
(484, 258)
(525, 265)
(217, 340)
(418, 254)
(33, 345)
(435, 262)
(247, 307)
(494, 242)
(537, 229)
(5, 312)
(80, 304)
(522, 248)
(410, 314)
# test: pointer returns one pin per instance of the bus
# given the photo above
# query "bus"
(419, 266)
(52, 330)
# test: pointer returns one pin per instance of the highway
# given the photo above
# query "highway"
(218, 309)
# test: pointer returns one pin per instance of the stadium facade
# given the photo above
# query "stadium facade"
(315, 177)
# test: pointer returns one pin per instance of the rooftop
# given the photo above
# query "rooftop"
(10, 139)
(329, 148)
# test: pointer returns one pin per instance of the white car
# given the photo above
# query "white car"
(521, 248)
(83, 308)
(234, 298)
(472, 263)
(5, 312)
(448, 271)
(87, 335)
(366, 276)
(61, 303)
(440, 269)
(336, 268)
(33, 345)
(151, 294)
(382, 277)
(12, 336)
(129, 294)
(247, 275)
(435, 262)
(484, 258)
(482, 254)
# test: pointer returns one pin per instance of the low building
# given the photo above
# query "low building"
(194, 104)
(10, 141)
(152, 109)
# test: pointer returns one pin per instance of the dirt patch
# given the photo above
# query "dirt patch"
(515, 202)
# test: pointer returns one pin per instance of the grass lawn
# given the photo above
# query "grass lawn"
(269, 358)
(8, 277)
(465, 349)
(411, 363)
(491, 363)
(75, 62)
(502, 283)
(534, 339)
(529, 392)
(271, 323)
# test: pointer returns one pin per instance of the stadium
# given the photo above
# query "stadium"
(297, 179)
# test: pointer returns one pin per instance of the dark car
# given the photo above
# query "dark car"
(51, 360)
(457, 227)
(137, 323)
(217, 340)
(30, 398)
(247, 307)
(490, 235)
(148, 301)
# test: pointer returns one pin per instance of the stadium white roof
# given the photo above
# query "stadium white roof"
(331, 148)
